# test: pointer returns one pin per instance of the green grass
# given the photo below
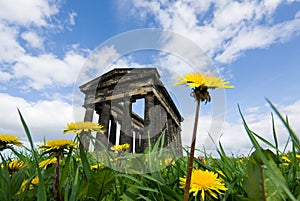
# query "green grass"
(263, 175)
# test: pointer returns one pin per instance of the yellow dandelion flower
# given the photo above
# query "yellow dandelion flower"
(96, 166)
(15, 165)
(32, 184)
(6, 140)
(286, 159)
(169, 161)
(201, 83)
(198, 80)
(79, 127)
(47, 162)
(122, 147)
(114, 160)
(206, 182)
(202, 159)
(298, 156)
(58, 145)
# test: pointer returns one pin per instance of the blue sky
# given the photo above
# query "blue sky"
(45, 46)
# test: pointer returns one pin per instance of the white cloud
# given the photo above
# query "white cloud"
(44, 118)
(10, 49)
(33, 39)
(22, 27)
(47, 70)
(4, 76)
(98, 62)
(72, 16)
(224, 29)
(258, 37)
(234, 13)
(27, 12)
(253, 109)
(293, 112)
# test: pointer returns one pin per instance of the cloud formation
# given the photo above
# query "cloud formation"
(22, 31)
(46, 119)
(27, 13)
(224, 29)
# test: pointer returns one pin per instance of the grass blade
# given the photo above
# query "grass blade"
(293, 135)
(264, 159)
(85, 162)
(41, 185)
(275, 135)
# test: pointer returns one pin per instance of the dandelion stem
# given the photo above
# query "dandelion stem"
(191, 158)
(58, 196)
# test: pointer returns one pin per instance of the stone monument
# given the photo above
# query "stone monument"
(111, 97)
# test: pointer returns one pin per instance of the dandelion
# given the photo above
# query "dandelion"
(96, 166)
(121, 148)
(202, 159)
(79, 127)
(14, 166)
(47, 163)
(58, 145)
(7, 140)
(32, 184)
(286, 159)
(169, 161)
(206, 182)
(200, 85)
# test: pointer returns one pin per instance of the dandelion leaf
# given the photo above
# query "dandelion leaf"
(261, 184)
(100, 183)
(130, 194)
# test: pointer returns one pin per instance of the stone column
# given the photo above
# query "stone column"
(138, 141)
(169, 130)
(126, 131)
(162, 120)
(113, 130)
(104, 117)
(156, 121)
(137, 147)
(133, 150)
(179, 142)
(85, 136)
(148, 120)
(174, 136)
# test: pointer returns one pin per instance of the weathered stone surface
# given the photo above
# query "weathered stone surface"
(85, 136)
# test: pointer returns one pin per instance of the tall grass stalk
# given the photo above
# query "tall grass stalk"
(41, 186)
